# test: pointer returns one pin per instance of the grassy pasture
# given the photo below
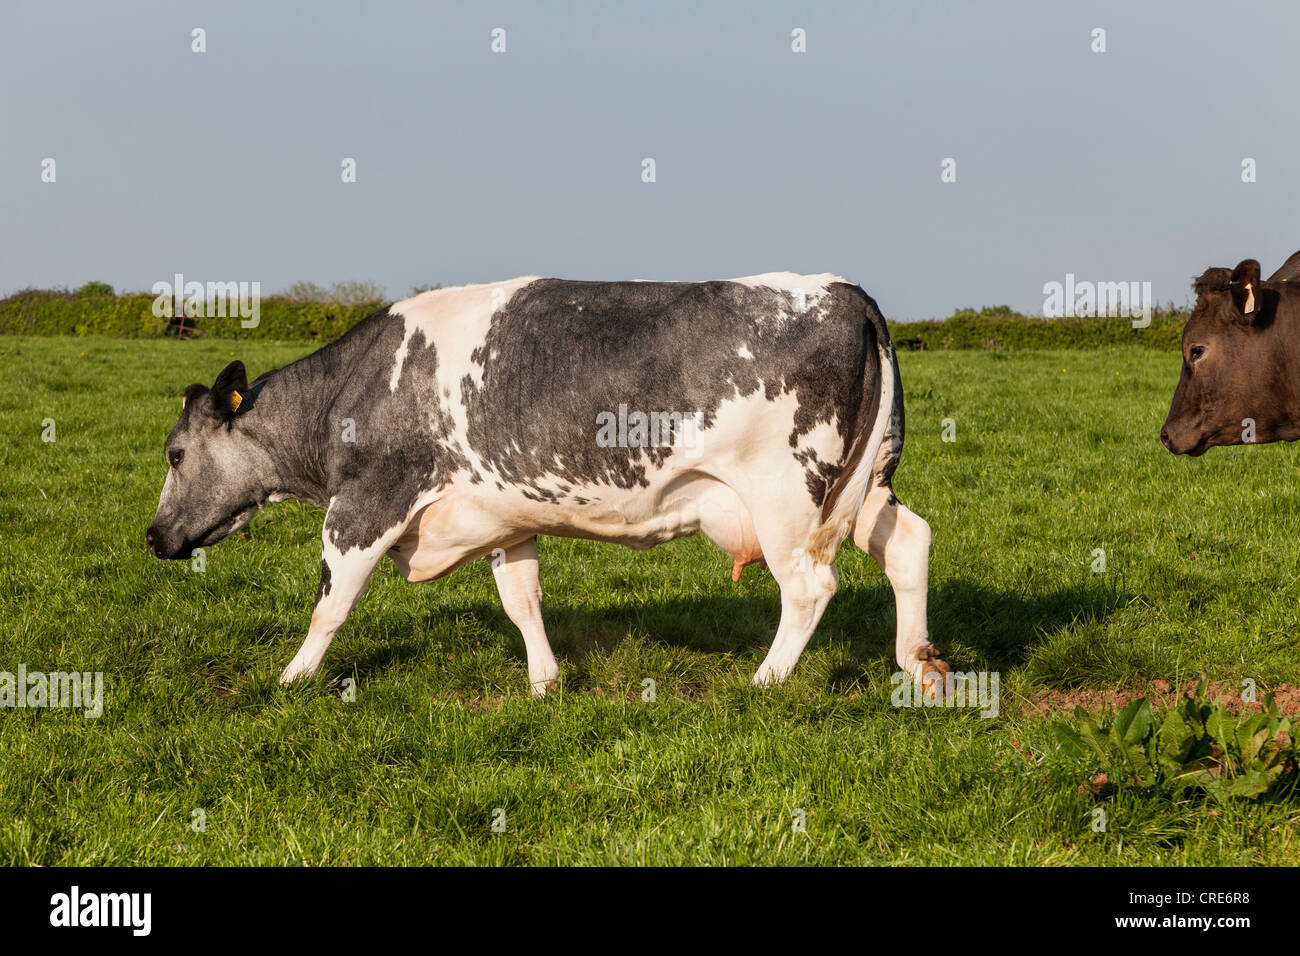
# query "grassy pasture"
(1056, 455)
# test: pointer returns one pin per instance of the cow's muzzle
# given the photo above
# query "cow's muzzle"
(1182, 446)
(160, 547)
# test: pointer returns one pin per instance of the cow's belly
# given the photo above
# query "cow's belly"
(637, 518)
(643, 518)
(748, 443)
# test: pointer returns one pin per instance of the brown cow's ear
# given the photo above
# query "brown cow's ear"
(229, 389)
(1290, 271)
(1244, 287)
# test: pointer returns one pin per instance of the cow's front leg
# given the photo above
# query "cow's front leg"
(515, 570)
(345, 572)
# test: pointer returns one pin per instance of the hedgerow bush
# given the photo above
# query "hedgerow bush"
(95, 310)
(57, 312)
(1000, 329)
(61, 312)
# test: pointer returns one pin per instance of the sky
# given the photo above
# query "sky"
(477, 166)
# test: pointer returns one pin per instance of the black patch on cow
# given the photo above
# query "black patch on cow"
(891, 449)
(402, 444)
(560, 353)
(323, 588)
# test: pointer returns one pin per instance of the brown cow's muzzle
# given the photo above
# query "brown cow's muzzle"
(1182, 444)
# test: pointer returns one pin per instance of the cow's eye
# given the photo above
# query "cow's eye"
(1195, 352)
(174, 456)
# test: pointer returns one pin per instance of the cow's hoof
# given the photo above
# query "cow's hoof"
(544, 682)
(542, 687)
(931, 672)
(291, 674)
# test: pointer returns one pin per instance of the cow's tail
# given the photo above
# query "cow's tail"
(847, 493)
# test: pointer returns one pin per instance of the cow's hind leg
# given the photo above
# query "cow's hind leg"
(900, 542)
(807, 584)
(520, 587)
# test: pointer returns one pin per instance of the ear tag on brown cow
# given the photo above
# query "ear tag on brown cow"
(235, 401)
(1250, 298)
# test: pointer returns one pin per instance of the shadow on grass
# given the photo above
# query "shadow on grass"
(974, 627)
(1000, 629)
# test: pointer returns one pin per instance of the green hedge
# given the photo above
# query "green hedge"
(91, 312)
(44, 312)
(1000, 329)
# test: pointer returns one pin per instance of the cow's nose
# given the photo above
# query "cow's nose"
(151, 539)
(1164, 436)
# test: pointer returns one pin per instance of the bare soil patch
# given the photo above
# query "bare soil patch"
(1163, 693)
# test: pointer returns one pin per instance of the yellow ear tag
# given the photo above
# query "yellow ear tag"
(235, 401)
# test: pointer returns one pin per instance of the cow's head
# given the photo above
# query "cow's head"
(213, 486)
(1235, 385)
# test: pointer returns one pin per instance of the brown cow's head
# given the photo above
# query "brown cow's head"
(1238, 367)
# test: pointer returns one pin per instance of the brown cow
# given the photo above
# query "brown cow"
(1240, 382)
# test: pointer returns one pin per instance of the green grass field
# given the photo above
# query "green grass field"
(1056, 454)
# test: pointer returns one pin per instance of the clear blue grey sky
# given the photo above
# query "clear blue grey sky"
(474, 166)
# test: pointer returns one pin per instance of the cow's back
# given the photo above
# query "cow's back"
(555, 355)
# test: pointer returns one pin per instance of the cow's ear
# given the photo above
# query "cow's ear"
(229, 389)
(1290, 271)
(1244, 287)
(192, 392)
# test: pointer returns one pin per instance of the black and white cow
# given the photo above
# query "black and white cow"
(461, 423)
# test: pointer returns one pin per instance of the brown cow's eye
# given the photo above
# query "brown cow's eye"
(1196, 351)
(174, 457)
